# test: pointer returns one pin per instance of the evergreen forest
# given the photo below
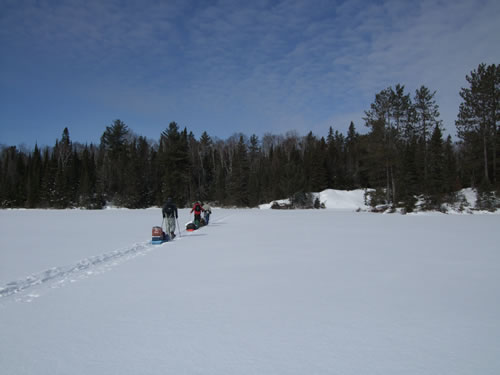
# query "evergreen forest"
(402, 155)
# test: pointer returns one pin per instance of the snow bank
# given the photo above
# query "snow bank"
(470, 196)
(354, 200)
(267, 206)
(350, 200)
(343, 199)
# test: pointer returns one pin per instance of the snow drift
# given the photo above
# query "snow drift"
(351, 200)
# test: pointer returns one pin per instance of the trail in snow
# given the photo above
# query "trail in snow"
(79, 270)
(57, 277)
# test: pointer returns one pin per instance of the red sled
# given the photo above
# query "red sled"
(190, 227)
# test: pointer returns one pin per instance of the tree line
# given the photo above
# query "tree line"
(402, 156)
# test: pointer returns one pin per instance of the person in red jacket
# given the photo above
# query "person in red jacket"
(197, 208)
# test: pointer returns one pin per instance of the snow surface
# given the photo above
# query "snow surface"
(255, 292)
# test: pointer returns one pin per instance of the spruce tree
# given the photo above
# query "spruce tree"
(34, 178)
(436, 161)
(238, 183)
(408, 186)
(14, 178)
(332, 161)
(451, 182)
(221, 171)
(49, 170)
(86, 188)
(65, 179)
(207, 166)
(308, 151)
(319, 173)
(254, 180)
(352, 158)
(131, 193)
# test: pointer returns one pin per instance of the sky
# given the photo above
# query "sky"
(226, 67)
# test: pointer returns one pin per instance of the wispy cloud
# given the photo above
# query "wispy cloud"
(249, 66)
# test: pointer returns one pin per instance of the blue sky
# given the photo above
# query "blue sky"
(228, 66)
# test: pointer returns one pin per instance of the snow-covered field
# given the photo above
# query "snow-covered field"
(255, 292)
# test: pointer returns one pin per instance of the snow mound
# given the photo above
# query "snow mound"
(467, 203)
(267, 206)
(343, 199)
(351, 200)
(470, 196)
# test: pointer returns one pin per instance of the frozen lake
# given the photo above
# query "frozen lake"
(255, 292)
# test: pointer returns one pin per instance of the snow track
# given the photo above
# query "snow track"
(58, 276)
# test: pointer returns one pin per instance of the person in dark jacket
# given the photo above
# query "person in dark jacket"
(197, 208)
(206, 212)
(170, 214)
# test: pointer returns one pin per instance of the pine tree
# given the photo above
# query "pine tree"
(478, 118)
(115, 159)
(174, 165)
(426, 118)
(390, 121)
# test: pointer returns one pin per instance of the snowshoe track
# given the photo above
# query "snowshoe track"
(57, 277)
(79, 270)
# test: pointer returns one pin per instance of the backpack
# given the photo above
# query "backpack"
(169, 210)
